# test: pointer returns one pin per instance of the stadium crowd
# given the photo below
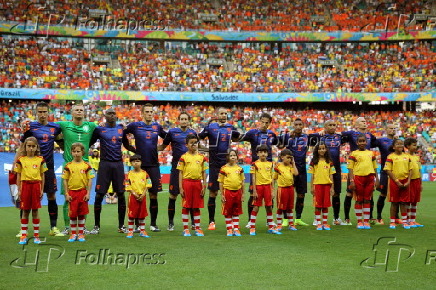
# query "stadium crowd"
(235, 15)
(255, 67)
(243, 118)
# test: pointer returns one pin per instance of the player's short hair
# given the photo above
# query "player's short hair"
(147, 105)
(184, 113)
(135, 157)
(266, 115)
(409, 141)
(286, 152)
(261, 148)
(78, 144)
(190, 137)
(298, 119)
(42, 105)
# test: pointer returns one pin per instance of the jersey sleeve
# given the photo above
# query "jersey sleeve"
(205, 164)
(66, 172)
(128, 183)
(162, 133)
(351, 161)
(332, 168)
(242, 174)
(247, 136)
(388, 164)
(43, 166)
(253, 168)
(181, 164)
(311, 168)
(374, 161)
(148, 182)
(167, 139)
(18, 166)
(204, 133)
(274, 139)
(90, 172)
(221, 175)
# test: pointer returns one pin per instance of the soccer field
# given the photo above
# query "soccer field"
(341, 258)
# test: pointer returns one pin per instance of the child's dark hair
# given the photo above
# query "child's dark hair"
(190, 137)
(409, 141)
(135, 157)
(262, 148)
(228, 154)
(391, 148)
(285, 152)
(361, 136)
(327, 156)
(78, 144)
(184, 113)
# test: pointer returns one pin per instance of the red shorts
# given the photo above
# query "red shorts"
(137, 209)
(285, 198)
(322, 195)
(263, 193)
(364, 187)
(397, 194)
(192, 191)
(415, 190)
(233, 204)
(78, 207)
(30, 194)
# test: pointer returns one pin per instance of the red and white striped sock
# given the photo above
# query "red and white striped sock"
(228, 222)
(404, 217)
(253, 218)
(279, 216)
(393, 220)
(318, 217)
(236, 222)
(81, 224)
(131, 224)
(73, 226)
(358, 211)
(290, 216)
(366, 212)
(412, 215)
(24, 225)
(185, 218)
(197, 218)
(142, 224)
(35, 227)
(270, 219)
(325, 213)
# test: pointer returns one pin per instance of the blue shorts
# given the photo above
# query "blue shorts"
(300, 182)
(111, 172)
(154, 175)
(174, 181)
(50, 184)
(213, 184)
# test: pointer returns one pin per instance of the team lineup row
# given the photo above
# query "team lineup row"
(219, 133)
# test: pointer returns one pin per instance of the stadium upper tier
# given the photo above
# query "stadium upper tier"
(27, 62)
(227, 15)
(243, 118)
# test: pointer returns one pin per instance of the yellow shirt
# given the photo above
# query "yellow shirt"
(231, 177)
(363, 162)
(321, 172)
(284, 175)
(416, 166)
(30, 168)
(400, 165)
(94, 161)
(192, 166)
(137, 182)
(262, 171)
(77, 175)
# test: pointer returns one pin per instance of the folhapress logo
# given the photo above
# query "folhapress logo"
(388, 254)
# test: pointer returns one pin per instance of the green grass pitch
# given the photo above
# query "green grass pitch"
(302, 259)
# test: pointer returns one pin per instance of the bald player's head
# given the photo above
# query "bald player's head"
(330, 127)
(360, 123)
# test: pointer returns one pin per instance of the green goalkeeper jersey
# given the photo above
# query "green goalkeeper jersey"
(73, 133)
